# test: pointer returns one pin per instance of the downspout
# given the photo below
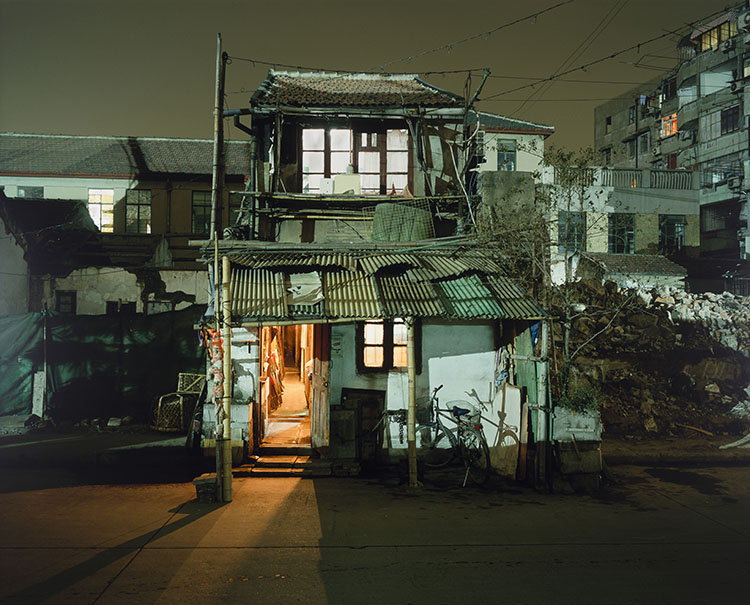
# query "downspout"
(236, 114)
(543, 416)
(226, 304)
(411, 416)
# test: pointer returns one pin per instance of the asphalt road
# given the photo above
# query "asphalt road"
(656, 535)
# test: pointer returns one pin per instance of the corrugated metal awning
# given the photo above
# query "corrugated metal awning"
(469, 298)
(257, 293)
(406, 297)
(351, 295)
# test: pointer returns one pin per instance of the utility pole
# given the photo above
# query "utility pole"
(217, 188)
(411, 412)
(226, 318)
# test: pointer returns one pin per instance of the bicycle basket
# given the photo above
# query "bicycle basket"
(423, 410)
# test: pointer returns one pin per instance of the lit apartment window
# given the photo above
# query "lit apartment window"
(621, 233)
(201, 212)
(710, 39)
(325, 153)
(102, 209)
(138, 211)
(668, 126)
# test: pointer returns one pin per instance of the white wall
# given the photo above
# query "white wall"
(529, 151)
(94, 287)
(58, 188)
(14, 279)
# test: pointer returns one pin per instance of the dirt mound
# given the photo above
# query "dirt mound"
(663, 362)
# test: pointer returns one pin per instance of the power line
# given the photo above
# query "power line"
(485, 34)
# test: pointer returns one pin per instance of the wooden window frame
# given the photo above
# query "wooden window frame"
(387, 348)
(139, 206)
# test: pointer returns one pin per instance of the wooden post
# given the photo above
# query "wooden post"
(226, 317)
(411, 415)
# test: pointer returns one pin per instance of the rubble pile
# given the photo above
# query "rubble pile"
(664, 362)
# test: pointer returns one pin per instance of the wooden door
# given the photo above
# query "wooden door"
(319, 408)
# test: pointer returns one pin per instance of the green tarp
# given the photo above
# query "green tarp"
(97, 366)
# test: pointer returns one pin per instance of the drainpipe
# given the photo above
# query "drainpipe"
(237, 114)
(543, 424)
(411, 416)
(226, 304)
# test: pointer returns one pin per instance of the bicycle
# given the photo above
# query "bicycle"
(438, 445)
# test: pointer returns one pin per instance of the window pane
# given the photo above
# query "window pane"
(311, 182)
(369, 161)
(400, 359)
(313, 161)
(397, 181)
(374, 333)
(373, 357)
(397, 140)
(370, 182)
(397, 161)
(399, 332)
(339, 162)
(313, 139)
(341, 140)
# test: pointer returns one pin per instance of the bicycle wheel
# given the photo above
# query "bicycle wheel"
(476, 455)
(435, 446)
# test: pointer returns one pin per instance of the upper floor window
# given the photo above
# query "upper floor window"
(720, 122)
(138, 211)
(325, 153)
(571, 231)
(631, 114)
(621, 233)
(607, 156)
(607, 124)
(506, 154)
(730, 119)
(668, 126)
(201, 212)
(65, 301)
(710, 39)
(669, 89)
(102, 209)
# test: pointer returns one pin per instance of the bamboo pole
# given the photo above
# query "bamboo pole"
(218, 442)
(226, 304)
(411, 416)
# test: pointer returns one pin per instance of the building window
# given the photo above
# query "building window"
(632, 146)
(571, 231)
(34, 193)
(668, 126)
(201, 212)
(721, 170)
(631, 114)
(138, 211)
(381, 345)
(710, 125)
(669, 90)
(643, 143)
(325, 153)
(671, 163)
(65, 301)
(671, 233)
(730, 119)
(506, 154)
(607, 156)
(396, 160)
(607, 124)
(621, 233)
(710, 39)
(102, 209)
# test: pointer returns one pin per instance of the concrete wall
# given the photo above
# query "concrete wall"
(529, 151)
(14, 293)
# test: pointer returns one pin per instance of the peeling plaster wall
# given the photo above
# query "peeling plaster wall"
(14, 293)
(194, 283)
(529, 151)
(94, 287)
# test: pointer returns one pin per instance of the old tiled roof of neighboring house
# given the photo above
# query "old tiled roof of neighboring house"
(636, 264)
(450, 283)
(115, 156)
(492, 122)
(325, 89)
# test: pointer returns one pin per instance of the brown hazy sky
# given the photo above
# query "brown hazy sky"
(147, 68)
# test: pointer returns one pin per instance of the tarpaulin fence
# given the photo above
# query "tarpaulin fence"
(97, 366)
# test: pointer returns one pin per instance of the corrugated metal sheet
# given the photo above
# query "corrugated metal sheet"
(469, 298)
(269, 260)
(351, 295)
(517, 304)
(444, 266)
(372, 263)
(404, 297)
(257, 293)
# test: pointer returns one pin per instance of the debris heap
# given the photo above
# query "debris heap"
(664, 362)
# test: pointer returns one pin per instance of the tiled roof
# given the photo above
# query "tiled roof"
(94, 155)
(636, 264)
(496, 122)
(356, 289)
(323, 89)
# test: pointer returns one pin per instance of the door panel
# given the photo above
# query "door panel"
(319, 412)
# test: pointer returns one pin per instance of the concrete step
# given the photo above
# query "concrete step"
(285, 450)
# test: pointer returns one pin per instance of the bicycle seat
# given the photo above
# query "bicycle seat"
(458, 412)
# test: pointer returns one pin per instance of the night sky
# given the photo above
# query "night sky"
(147, 68)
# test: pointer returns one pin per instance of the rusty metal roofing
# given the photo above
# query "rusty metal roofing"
(650, 264)
(351, 295)
(439, 285)
(325, 89)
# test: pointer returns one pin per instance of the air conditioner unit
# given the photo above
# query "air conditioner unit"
(656, 150)
(737, 86)
(743, 20)
(727, 45)
(734, 182)
(686, 135)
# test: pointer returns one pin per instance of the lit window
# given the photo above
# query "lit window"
(102, 209)
(201, 212)
(138, 211)
(325, 153)
(382, 345)
(668, 126)
(506, 154)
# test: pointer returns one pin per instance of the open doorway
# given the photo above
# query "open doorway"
(287, 366)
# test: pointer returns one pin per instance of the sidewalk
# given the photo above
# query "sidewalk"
(701, 450)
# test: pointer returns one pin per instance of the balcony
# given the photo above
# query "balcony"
(630, 178)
